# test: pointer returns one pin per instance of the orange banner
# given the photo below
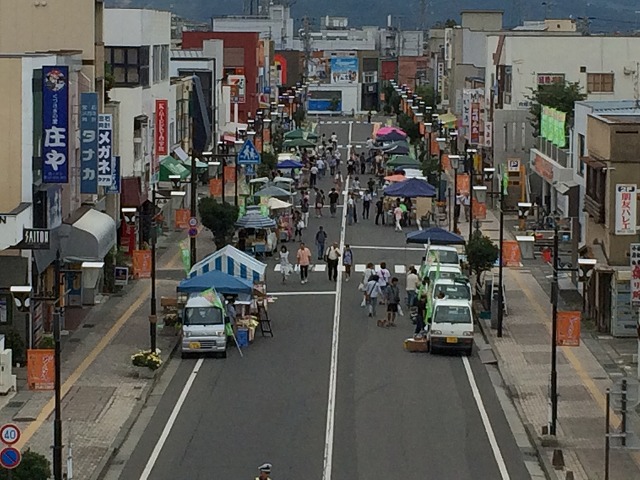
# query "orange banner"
(229, 174)
(215, 187)
(479, 210)
(510, 253)
(142, 263)
(41, 369)
(568, 329)
(182, 218)
(446, 164)
(463, 183)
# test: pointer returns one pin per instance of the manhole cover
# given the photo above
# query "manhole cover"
(14, 404)
(88, 325)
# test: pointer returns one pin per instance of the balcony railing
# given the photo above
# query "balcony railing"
(560, 155)
(594, 208)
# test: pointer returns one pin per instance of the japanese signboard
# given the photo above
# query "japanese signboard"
(142, 263)
(89, 142)
(40, 369)
(568, 329)
(550, 78)
(115, 176)
(55, 124)
(344, 69)
(182, 218)
(488, 134)
(511, 254)
(161, 127)
(626, 207)
(238, 88)
(105, 157)
(475, 123)
(634, 254)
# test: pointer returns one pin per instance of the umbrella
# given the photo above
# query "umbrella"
(272, 191)
(404, 161)
(396, 148)
(276, 204)
(435, 236)
(392, 136)
(223, 283)
(395, 178)
(300, 133)
(298, 142)
(287, 164)
(386, 130)
(255, 220)
(411, 188)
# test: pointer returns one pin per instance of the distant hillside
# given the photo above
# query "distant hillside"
(605, 15)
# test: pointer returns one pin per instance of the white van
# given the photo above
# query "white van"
(449, 272)
(451, 327)
(203, 327)
(446, 254)
(452, 289)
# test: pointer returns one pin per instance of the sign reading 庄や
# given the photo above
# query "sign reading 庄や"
(626, 206)
(55, 124)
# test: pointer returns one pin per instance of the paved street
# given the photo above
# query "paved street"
(332, 395)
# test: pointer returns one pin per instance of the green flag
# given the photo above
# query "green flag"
(505, 182)
(186, 255)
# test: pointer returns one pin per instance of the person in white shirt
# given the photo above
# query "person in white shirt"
(334, 140)
(321, 167)
(397, 214)
(332, 256)
(412, 286)
(313, 176)
(383, 278)
(371, 293)
(466, 203)
(369, 144)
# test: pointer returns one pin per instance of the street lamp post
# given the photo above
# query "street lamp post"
(470, 153)
(454, 160)
(153, 319)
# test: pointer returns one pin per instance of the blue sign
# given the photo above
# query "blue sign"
(248, 155)
(344, 69)
(55, 124)
(89, 142)
(10, 457)
(105, 157)
(115, 176)
(249, 170)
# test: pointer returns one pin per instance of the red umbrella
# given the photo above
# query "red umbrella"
(387, 130)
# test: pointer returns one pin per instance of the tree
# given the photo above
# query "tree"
(406, 123)
(482, 253)
(427, 93)
(219, 218)
(559, 95)
(32, 467)
(267, 165)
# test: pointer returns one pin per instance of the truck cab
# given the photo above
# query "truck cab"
(452, 289)
(445, 254)
(451, 327)
(203, 327)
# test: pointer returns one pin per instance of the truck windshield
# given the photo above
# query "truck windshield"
(203, 316)
(453, 292)
(444, 275)
(447, 256)
(451, 314)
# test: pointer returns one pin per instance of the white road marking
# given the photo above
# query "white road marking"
(319, 267)
(295, 294)
(335, 339)
(400, 269)
(373, 247)
(497, 454)
(171, 421)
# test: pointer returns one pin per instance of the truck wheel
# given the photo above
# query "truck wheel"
(223, 354)
(468, 352)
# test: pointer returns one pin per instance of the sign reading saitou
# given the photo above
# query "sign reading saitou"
(193, 232)
(35, 239)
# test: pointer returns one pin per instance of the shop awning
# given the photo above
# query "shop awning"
(232, 261)
(171, 166)
(89, 238)
(448, 118)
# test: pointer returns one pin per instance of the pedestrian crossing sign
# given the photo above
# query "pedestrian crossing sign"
(248, 155)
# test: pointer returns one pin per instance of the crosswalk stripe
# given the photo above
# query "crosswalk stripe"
(318, 267)
(400, 269)
(358, 268)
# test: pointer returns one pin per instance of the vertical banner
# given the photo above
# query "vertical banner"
(89, 143)
(230, 174)
(41, 369)
(568, 333)
(215, 187)
(462, 183)
(105, 150)
(511, 254)
(182, 218)
(626, 209)
(634, 254)
(55, 124)
(142, 263)
(475, 123)
(185, 254)
(115, 176)
(479, 210)
(162, 138)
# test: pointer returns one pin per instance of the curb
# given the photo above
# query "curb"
(541, 455)
(105, 462)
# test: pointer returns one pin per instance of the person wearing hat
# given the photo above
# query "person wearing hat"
(265, 470)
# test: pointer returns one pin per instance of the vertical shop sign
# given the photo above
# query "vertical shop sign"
(634, 253)
(89, 142)
(162, 139)
(55, 124)
(105, 152)
(626, 209)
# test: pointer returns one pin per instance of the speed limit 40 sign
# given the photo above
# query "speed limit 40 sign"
(9, 434)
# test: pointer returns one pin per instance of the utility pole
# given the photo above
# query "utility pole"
(306, 42)
(57, 419)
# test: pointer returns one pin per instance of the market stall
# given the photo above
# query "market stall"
(259, 237)
(414, 188)
(232, 261)
(282, 213)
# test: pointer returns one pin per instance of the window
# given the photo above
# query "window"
(370, 77)
(128, 65)
(582, 151)
(164, 63)
(156, 63)
(144, 66)
(599, 82)
(596, 184)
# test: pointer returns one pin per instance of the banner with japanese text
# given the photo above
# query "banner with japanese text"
(626, 209)
(568, 329)
(511, 254)
(41, 369)
(55, 124)
(89, 143)
(115, 176)
(634, 254)
(105, 150)
(182, 218)
(142, 263)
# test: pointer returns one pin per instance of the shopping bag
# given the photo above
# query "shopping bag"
(364, 302)
(400, 312)
(361, 287)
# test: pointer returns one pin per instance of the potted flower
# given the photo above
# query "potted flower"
(147, 361)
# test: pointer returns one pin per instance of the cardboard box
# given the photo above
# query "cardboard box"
(416, 345)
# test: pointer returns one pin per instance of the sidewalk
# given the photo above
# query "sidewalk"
(101, 391)
(584, 373)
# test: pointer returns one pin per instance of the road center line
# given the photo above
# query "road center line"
(333, 371)
(497, 454)
(171, 421)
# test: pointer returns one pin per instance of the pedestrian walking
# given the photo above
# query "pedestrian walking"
(466, 203)
(285, 265)
(366, 204)
(304, 208)
(319, 202)
(369, 117)
(412, 286)
(347, 261)
(379, 211)
(322, 167)
(333, 201)
(363, 164)
(297, 232)
(351, 209)
(313, 176)
(366, 276)
(383, 278)
(334, 141)
(303, 257)
(321, 238)
(392, 297)
(371, 294)
(397, 215)
(338, 180)
(332, 165)
(332, 257)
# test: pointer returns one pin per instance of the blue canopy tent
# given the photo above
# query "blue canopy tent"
(435, 236)
(414, 187)
(288, 164)
(232, 261)
(222, 282)
(396, 148)
(256, 220)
